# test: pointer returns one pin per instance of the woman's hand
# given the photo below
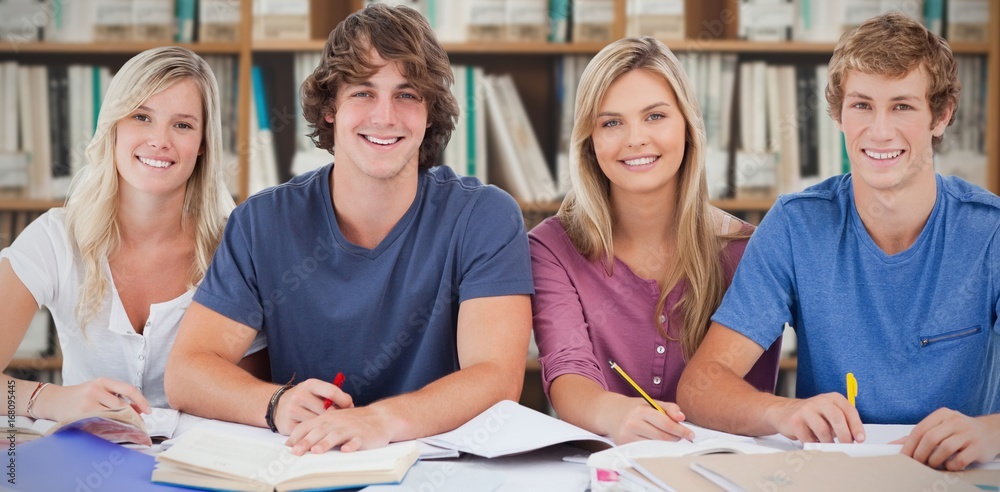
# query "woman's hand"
(634, 420)
(61, 402)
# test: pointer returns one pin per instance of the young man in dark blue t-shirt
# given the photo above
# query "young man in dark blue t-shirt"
(411, 281)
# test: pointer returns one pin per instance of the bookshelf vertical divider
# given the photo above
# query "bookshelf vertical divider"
(243, 129)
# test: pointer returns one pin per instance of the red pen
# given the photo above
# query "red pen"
(338, 381)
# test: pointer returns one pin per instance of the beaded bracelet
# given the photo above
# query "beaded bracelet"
(34, 396)
(273, 404)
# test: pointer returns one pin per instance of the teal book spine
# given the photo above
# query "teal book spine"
(558, 20)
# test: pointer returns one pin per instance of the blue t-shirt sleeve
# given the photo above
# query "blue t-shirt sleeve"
(759, 301)
(230, 284)
(995, 274)
(494, 252)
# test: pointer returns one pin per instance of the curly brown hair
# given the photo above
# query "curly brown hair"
(399, 34)
(892, 45)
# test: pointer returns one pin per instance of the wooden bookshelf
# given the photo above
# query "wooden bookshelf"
(993, 103)
(789, 47)
(531, 64)
(742, 205)
(127, 48)
(455, 48)
(28, 204)
(53, 363)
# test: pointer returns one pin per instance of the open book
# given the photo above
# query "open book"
(616, 468)
(262, 435)
(119, 425)
(510, 428)
(212, 460)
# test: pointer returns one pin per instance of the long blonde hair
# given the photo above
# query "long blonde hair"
(92, 206)
(586, 211)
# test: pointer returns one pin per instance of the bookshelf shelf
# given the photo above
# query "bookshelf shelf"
(117, 48)
(549, 208)
(53, 363)
(28, 204)
(745, 205)
(787, 47)
(683, 46)
(503, 48)
(741, 205)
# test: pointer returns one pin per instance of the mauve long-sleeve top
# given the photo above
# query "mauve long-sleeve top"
(583, 317)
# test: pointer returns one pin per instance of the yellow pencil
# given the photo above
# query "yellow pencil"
(852, 388)
(621, 372)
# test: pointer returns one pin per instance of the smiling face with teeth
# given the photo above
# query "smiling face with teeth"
(157, 145)
(379, 124)
(639, 136)
(888, 128)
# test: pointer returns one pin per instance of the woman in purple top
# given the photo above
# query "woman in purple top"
(636, 261)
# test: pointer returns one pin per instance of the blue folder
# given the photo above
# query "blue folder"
(75, 461)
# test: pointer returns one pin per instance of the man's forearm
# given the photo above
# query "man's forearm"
(229, 393)
(713, 396)
(450, 401)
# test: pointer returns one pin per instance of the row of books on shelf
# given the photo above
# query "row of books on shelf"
(787, 141)
(767, 126)
(38, 340)
(784, 138)
(44, 134)
(52, 118)
(493, 139)
(768, 129)
(86, 21)
(757, 20)
(825, 20)
(458, 21)
(182, 21)
(492, 128)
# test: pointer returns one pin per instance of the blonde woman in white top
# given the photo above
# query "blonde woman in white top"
(118, 265)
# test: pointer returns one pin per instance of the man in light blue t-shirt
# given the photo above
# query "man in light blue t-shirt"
(408, 280)
(891, 273)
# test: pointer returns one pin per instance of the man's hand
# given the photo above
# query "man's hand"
(818, 419)
(952, 440)
(351, 428)
(304, 402)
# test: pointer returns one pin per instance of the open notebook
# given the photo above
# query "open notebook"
(509, 428)
(877, 439)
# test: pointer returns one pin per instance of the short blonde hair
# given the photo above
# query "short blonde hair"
(893, 45)
(92, 206)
